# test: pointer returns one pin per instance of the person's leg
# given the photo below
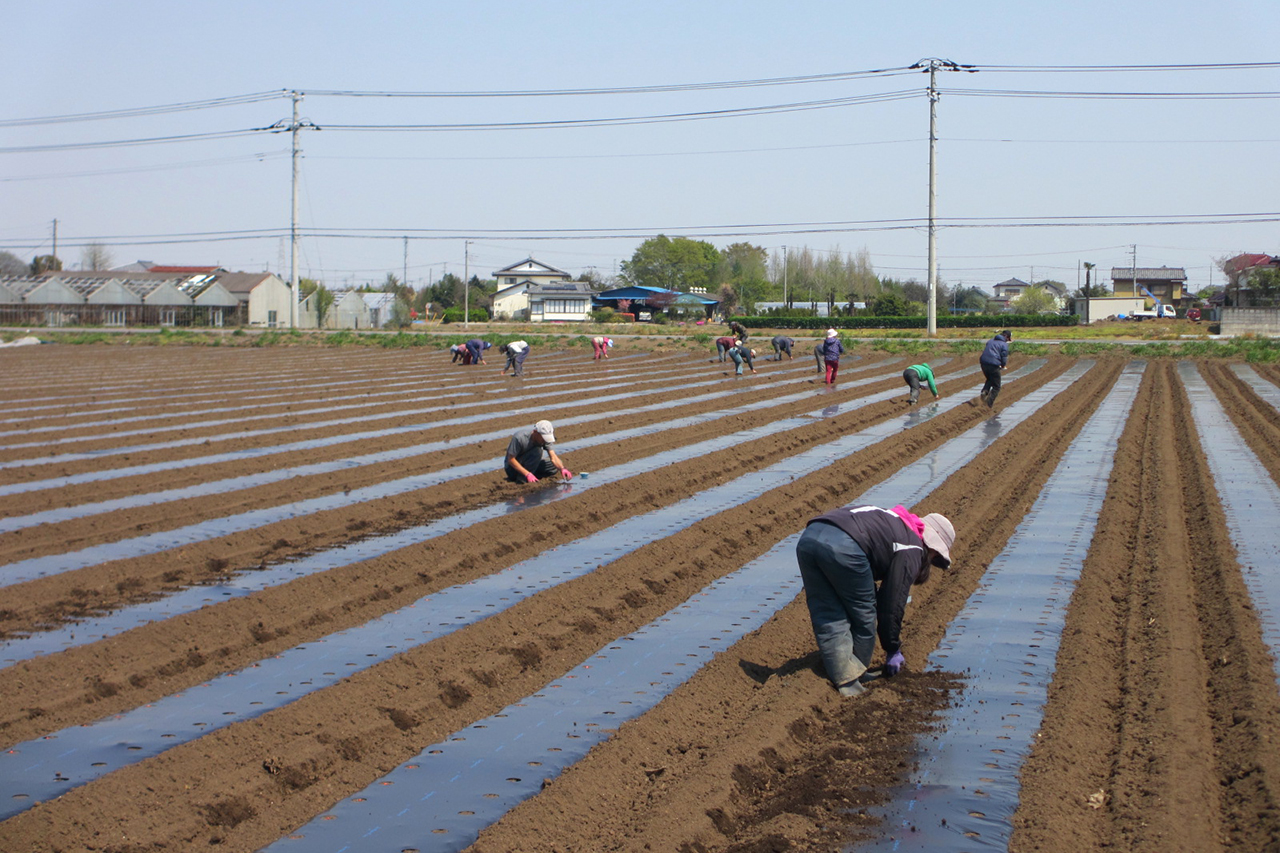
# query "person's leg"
(828, 560)
(995, 388)
(737, 360)
(819, 358)
(720, 350)
(520, 361)
(833, 367)
(913, 382)
(992, 386)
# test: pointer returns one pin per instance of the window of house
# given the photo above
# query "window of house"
(114, 318)
(271, 319)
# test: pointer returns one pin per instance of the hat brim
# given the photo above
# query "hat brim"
(934, 542)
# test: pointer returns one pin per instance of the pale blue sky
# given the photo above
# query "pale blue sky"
(1025, 159)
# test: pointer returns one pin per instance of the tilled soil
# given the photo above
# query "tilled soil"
(1164, 698)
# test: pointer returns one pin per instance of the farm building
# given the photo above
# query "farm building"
(190, 296)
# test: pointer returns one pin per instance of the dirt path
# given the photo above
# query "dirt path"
(755, 752)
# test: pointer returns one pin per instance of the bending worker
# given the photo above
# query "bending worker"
(742, 354)
(600, 346)
(516, 352)
(992, 361)
(858, 564)
(723, 345)
(530, 457)
(913, 375)
(782, 344)
(476, 348)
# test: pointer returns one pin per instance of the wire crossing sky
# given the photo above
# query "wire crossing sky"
(571, 133)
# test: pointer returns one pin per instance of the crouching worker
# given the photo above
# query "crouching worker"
(530, 457)
(858, 564)
(913, 375)
(516, 352)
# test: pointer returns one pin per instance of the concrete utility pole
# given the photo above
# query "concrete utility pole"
(786, 303)
(466, 284)
(932, 66)
(293, 127)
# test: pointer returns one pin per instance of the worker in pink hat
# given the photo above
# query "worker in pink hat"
(858, 564)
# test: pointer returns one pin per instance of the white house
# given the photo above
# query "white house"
(560, 301)
(512, 300)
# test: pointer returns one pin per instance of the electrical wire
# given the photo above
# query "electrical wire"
(134, 112)
(159, 167)
(636, 120)
(728, 230)
(837, 76)
(1122, 96)
(122, 143)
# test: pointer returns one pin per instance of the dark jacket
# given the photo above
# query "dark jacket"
(897, 556)
(831, 349)
(996, 352)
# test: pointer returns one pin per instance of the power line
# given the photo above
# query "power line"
(1082, 95)
(134, 112)
(121, 143)
(635, 120)
(837, 76)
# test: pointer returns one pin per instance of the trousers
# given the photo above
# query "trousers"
(841, 593)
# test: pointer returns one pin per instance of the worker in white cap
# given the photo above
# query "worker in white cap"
(858, 564)
(530, 456)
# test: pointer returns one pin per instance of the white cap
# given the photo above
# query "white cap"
(544, 429)
(831, 333)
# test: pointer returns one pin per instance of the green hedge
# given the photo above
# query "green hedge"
(949, 321)
(455, 315)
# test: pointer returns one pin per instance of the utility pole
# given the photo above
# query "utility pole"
(55, 239)
(404, 281)
(932, 66)
(466, 284)
(786, 303)
(1134, 249)
(293, 219)
(296, 149)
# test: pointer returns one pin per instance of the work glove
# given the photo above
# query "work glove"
(530, 478)
(894, 663)
(566, 473)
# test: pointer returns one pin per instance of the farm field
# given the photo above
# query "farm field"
(284, 598)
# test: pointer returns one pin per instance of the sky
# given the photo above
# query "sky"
(1028, 186)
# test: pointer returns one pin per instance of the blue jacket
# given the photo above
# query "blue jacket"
(996, 352)
(831, 349)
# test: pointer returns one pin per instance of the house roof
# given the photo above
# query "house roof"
(1240, 263)
(184, 270)
(529, 266)
(1148, 274)
(553, 288)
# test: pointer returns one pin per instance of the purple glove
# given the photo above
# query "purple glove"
(566, 473)
(894, 663)
(531, 478)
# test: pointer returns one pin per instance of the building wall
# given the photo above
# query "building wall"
(270, 295)
(1256, 321)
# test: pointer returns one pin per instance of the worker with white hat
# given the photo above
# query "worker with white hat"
(530, 456)
(858, 564)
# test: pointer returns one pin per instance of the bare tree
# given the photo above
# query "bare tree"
(11, 264)
(95, 256)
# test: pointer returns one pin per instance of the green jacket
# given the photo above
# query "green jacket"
(925, 372)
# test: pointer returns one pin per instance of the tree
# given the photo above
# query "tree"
(45, 263)
(11, 264)
(95, 256)
(969, 299)
(678, 264)
(890, 304)
(747, 269)
(321, 298)
(1034, 300)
